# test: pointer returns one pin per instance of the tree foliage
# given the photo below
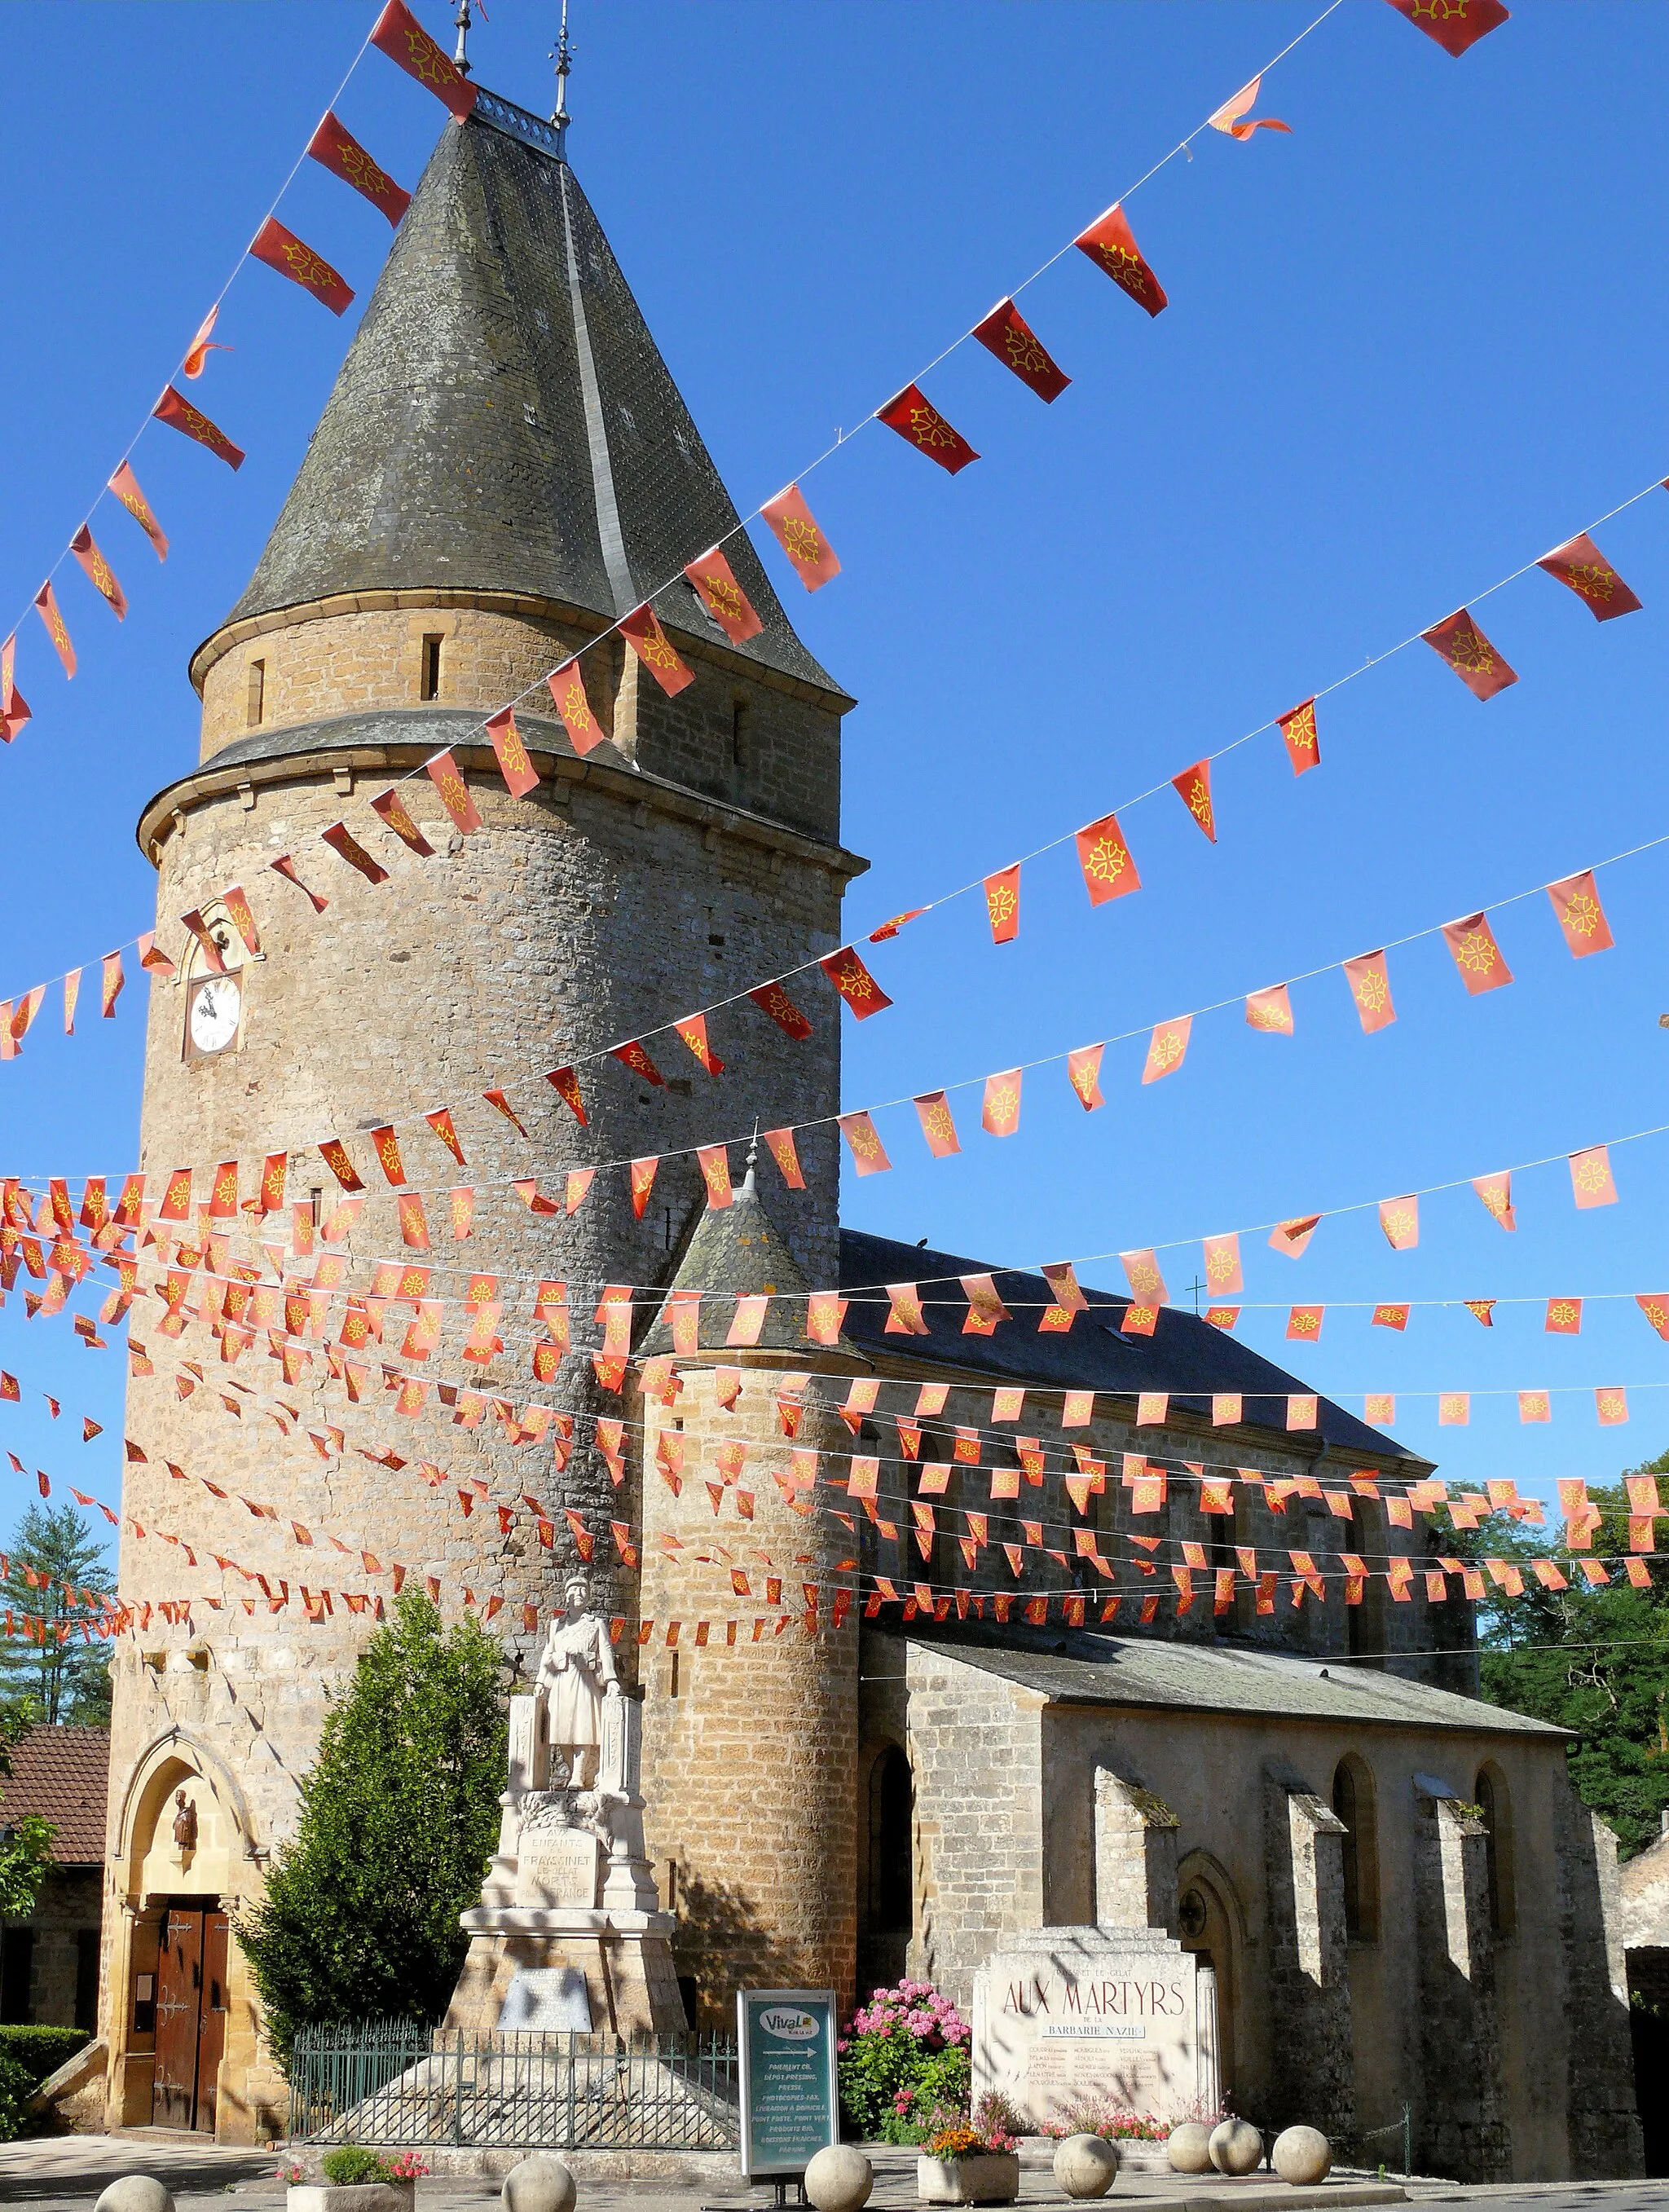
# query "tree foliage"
(1594, 1661)
(399, 1819)
(57, 1572)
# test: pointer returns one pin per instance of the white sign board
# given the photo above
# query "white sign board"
(1065, 2013)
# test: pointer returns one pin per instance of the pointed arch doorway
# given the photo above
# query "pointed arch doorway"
(1208, 1921)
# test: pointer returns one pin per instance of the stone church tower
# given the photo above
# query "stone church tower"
(505, 466)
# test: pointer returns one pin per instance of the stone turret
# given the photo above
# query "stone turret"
(504, 467)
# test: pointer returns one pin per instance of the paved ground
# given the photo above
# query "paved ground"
(67, 2173)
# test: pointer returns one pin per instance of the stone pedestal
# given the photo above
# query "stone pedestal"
(568, 1935)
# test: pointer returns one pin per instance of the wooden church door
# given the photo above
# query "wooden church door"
(190, 2017)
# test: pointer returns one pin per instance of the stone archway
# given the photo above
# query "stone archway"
(183, 1864)
(1212, 1927)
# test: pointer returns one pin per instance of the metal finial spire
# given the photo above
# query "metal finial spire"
(753, 1155)
(562, 54)
(460, 56)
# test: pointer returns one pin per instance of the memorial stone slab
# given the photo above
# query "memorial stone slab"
(557, 1867)
(549, 1997)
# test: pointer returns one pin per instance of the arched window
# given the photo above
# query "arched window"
(891, 1810)
(1353, 1801)
(1495, 1803)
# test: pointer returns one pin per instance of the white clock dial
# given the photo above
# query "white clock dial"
(216, 1007)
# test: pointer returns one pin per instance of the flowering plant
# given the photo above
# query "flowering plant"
(993, 2126)
(903, 2053)
(405, 2166)
(293, 2173)
(1101, 2115)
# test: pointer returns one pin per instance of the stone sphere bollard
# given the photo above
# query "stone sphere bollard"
(1302, 2156)
(538, 2183)
(134, 2192)
(839, 2179)
(1235, 2146)
(1086, 2166)
(1189, 2147)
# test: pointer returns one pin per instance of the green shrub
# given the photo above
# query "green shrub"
(42, 2050)
(902, 2054)
(350, 2167)
(15, 2085)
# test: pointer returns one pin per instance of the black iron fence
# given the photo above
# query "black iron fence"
(395, 2083)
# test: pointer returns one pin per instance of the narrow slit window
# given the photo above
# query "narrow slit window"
(255, 698)
(739, 734)
(430, 684)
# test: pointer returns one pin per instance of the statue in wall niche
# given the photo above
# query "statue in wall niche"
(184, 1825)
(576, 1677)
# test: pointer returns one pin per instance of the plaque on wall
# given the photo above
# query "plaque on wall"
(550, 1997)
(557, 1867)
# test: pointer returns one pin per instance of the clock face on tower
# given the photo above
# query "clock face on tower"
(215, 1010)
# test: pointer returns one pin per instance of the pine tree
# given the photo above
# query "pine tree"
(399, 1818)
(55, 1575)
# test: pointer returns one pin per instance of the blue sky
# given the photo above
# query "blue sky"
(1408, 349)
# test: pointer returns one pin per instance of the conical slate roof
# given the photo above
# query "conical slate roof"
(504, 422)
(736, 1252)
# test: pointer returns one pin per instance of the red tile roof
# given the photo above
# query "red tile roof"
(62, 1774)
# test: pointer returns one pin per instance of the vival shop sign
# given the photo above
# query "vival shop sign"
(1063, 2013)
(790, 2094)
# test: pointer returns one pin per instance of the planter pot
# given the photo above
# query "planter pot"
(364, 2196)
(991, 2177)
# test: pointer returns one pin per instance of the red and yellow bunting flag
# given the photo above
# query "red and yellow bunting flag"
(1654, 1304)
(1591, 1182)
(1461, 642)
(111, 981)
(891, 927)
(1298, 728)
(273, 1167)
(1084, 1073)
(199, 929)
(1304, 1323)
(918, 423)
(46, 607)
(176, 1198)
(1496, 1192)
(496, 1099)
(566, 1083)
(1109, 873)
(447, 778)
(1400, 1218)
(825, 1311)
(71, 993)
(152, 958)
(441, 1121)
(202, 344)
(280, 249)
(414, 1224)
(1454, 24)
(1270, 1010)
(904, 1315)
(520, 776)
(642, 631)
(792, 525)
(178, 412)
(1005, 333)
(1002, 893)
(341, 840)
(1000, 1116)
(937, 1126)
(391, 808)
(1293, 1236)
(1379, 1410)
(643, 1181)
(1453, 1408)
(242, 917)
(716, 587)
(784, 1152)
(1581, 564)
(98, 570)
(633, 1056)
(1168, 1048)
(1193, 789)
(1610, 1407)
(1234, 119)
(387, 1146)
(403, 39)
(869, 1154)
(1482, 1310)
(772, 999)
(1147, 1285)
(1565, 1317)
(851, 979)
(1389, 1317)
(334, 1153)
(1223, 1266)
(1111, 244)
(1371, 989)
(713, 1160)
(14, 708)
(693, 1032)
(335, 149)
(1472, 944)
(1576, 905)
(285, 866)
(125, 487)
(577, 1188)
(986, 1310)
(567, 690)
